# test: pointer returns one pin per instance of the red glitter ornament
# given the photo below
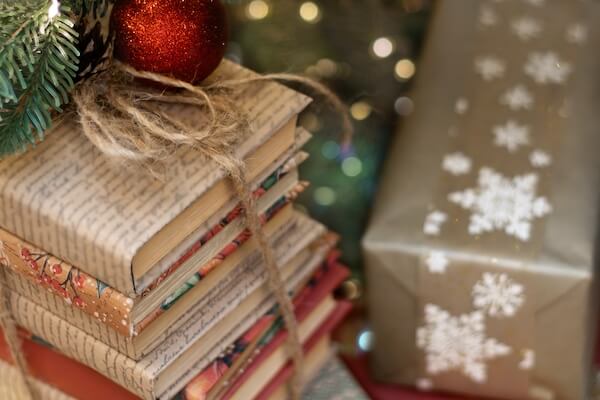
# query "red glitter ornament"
(185, 39)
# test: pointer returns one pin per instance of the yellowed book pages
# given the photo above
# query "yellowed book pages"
(67, 199)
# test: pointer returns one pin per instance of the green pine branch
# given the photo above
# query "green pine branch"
(38, 63)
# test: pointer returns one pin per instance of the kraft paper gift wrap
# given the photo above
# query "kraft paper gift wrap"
(482, 246)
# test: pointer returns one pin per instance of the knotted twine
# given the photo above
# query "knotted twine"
(119, 115)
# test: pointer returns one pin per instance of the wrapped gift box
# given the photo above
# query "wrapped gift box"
(482, 246)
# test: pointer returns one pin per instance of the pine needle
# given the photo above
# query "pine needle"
(38, 63)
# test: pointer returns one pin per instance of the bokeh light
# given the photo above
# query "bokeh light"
(330, 150)
(324, 196)
(365, 340)
(404, 69)
(310, 12)
(382, 47)
(404, 106)
(257, 9)
(360, 110)
(352, 166)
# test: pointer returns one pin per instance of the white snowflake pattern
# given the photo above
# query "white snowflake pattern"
(526, 28)
(490, 67)
(434, 222)
(547, 67)
(539, 158)
(577, 33)
(498, 295)
(456, 163)
(461, 106)
(437, 262)
(501, 203)
(487, 16)
(457, 343)
(511, 135)
(517, 98)
(528, 360)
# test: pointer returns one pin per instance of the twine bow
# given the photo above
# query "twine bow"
(119, 116)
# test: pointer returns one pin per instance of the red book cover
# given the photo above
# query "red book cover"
(65, 374)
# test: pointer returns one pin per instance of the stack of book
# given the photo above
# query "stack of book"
(125, 286)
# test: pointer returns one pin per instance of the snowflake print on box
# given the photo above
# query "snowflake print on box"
(437, 262)
(498, 295)
(577, 34)
(511, 135)
(457, 343)
(501, 203)
(528, 360)
(526, 28)
(540, 158)
(487, 16)
(456, 163)
(461, 106)
(434, 221)
(546, 68)
(490, 67)
(517, 98)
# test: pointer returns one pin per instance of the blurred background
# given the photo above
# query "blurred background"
(367, 51)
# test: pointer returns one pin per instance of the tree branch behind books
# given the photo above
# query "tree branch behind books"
(38, 63)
